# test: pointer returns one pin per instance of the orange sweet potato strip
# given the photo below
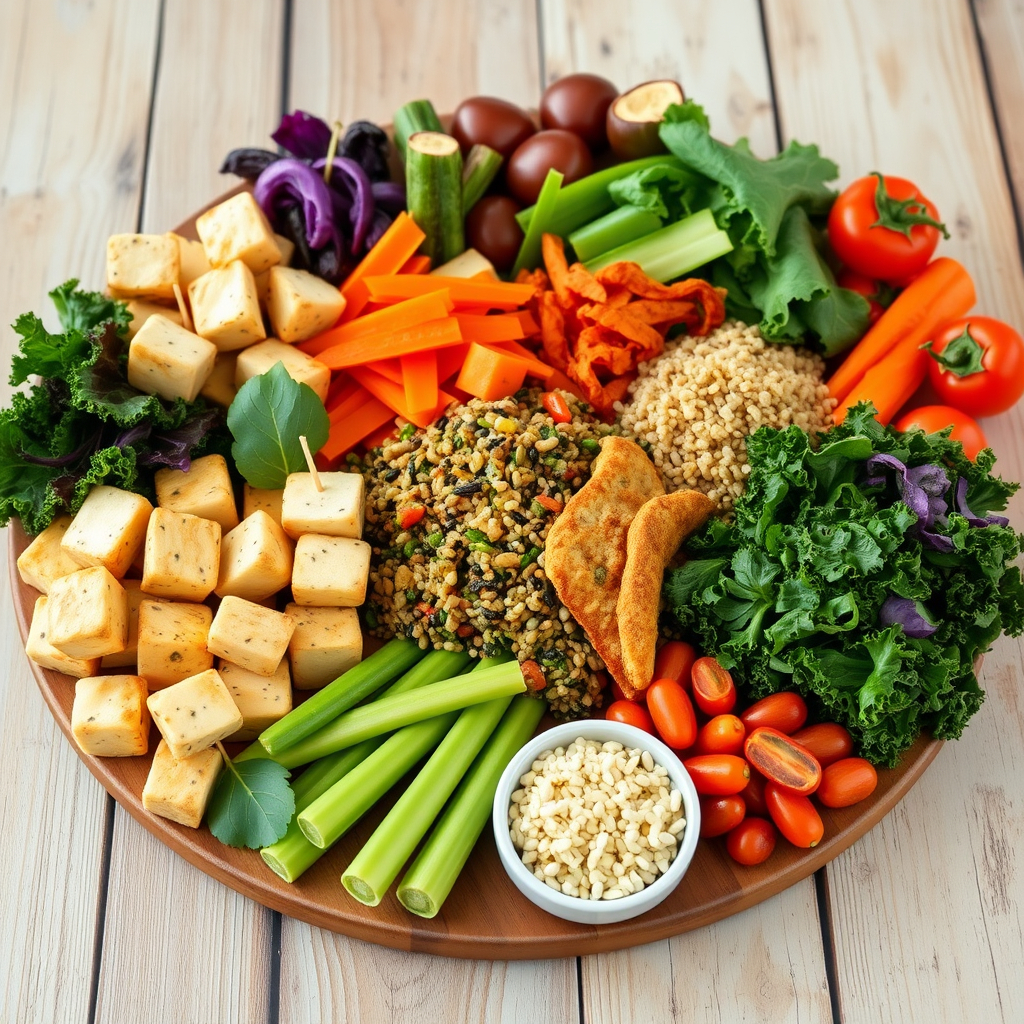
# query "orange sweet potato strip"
(622, 322)
(662, 312)
(552, 331)
(583, 283)
(553, 250)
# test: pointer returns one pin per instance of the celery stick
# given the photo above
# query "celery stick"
(530, 250)
(622, 225)
(428, 882)
(377, 864)
(415, 116)
(481, 166)
(433, 190)
(672, 251)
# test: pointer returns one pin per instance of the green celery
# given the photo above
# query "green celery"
(622, 225)
(480, 169)
(530, 250)
(415, 116)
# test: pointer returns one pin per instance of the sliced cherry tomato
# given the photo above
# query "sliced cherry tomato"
(827, 741)
(785, 711)
(879, 295)
(932, 418)
(717, 774)
(884, 228)
(720, 814)
(713, 688)
(753, 794)
(795, 815)
(723, 734)
(674, 661)
(781, 760)
(847, 782)
(672, 711)
(410, 516)
(752, 841)
(631, 714)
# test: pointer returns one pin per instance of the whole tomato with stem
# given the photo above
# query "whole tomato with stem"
(752, 841)
(878, 294)
(720, 814)
(932, 418)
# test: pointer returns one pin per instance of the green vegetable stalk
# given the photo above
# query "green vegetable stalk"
(433, 189)
(481, 168)
(621, 226)
(541, 222)
(415, 116)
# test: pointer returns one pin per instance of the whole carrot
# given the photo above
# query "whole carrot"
(888, 384)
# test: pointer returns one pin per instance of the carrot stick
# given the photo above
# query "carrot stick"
(416, 265)
(450, 360)
(395, 247)
(380, 435)
(419, 377)
(389, 368)
(342, 387)
(347, 433)
(489, 373)
(490, 294)
(533, 365)
(529, 325)
(352, 404)
(422, 337)
(888, 384)
(393, 396)
(943, 291)
(490, 329)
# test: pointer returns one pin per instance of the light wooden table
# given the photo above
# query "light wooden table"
(114, 116)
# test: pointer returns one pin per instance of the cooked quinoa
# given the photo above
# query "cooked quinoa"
(468, 572)
(697, 402)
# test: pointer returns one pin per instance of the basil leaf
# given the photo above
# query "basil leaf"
(251, 804)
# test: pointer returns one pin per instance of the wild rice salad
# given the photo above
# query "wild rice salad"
(458, 514)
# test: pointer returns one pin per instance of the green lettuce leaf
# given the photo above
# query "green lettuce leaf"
(251, 804)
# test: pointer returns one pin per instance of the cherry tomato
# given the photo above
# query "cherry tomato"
(884, 228)
(616, 691)
(672, 712)
(785, 711)
(931, 418)
(874, 291)
(977, 366)
(723, 734)
(847, 782)
(795, 815)
(720, 814)
(492, 229)
(675, 661)
(631, 714)
(751, 841)
(827, 741)
(713, 688)
(717, 774)
(779, 759)
(753, 794)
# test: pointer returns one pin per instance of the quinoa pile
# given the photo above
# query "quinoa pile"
(697, 402)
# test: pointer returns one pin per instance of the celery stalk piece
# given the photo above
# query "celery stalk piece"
(672, 251)
(429, 880)
(480, 169)
(415, 116)
(377, 864)
(622, 225)
(433, 193)
(530, 250)
(394, 658)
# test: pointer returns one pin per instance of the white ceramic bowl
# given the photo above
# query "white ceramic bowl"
(573, 908)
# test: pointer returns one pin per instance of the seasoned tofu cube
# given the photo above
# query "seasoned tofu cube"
(44, 560)
(250, 635)
(269, 501)
(226, 308)
(179, 789)
(203, 490)
(108, 530)
(326, 643)
(237, 229)
(88, 614)
(305, 369)
(109, 717)
(166, 360)
(330, 572)
(43, 653)
(287, 247)
(336, 511)
(220, 385)
(142, 266)
(172, 641)
(182, 557)
(142, 309)
(195, 713)
(262, 700)
(191, 260)
(255, 559)
(301, 304)
(133, 591)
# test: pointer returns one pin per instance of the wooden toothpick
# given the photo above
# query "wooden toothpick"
(332, 148)
(186, 320)
(310, 463)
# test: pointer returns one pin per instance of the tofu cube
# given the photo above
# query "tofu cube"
(180, 789)
(88, 614)
(250, 635)
(336, 511)
(269, 501)
(166, 360)
(194, 714)
(301, 304)
(142, 266)
(262, 700)
(44, 560)
(43, 653)
(326, 643)
(142, 309)
(182, 557)
(204, 490)
(133, 591)
(237, 229)
(109, 717)
(287, 247)
(330, 572)
(108, 530)
(255, 559)
(262, 356)
(192, 260)
(172, 641)
(220, 385)
(226, 307)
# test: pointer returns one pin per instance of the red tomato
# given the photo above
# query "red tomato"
(847, 782)
(675, 661)
(871, 290)
(931, 418)
(977, 366)
(753, 794)
(782, 761)
(751, 841)
(827, 741)
(672, 712)
(720, 814)
(631, 714)
(713, 688)
(785, 711)
(723, 734)
(796, 816)
(717, 774)
(884, 228)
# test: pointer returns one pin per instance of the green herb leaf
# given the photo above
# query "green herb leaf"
(267, 417)
(251, 804)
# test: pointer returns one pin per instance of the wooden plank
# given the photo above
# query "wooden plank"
(71, 146)
(218, 87)
(900, 88)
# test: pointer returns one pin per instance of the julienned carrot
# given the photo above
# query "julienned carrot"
(490, 329)
(489, 373)
(534, 366)
(888, 384)
(529, 325)
(388, 256)
(416, 265)
(376, 438)
(342, 410)
(346, 434)
(489, 294)
(943, 291)
(450, 360)
(393, 396)
(342, 388)
(422, 337)
(419, 378)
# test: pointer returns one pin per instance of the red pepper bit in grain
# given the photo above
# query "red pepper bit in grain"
(556, 406)
(464, 630)
(410, 516)
(551, 504)
(424, 609)
(534, 675)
